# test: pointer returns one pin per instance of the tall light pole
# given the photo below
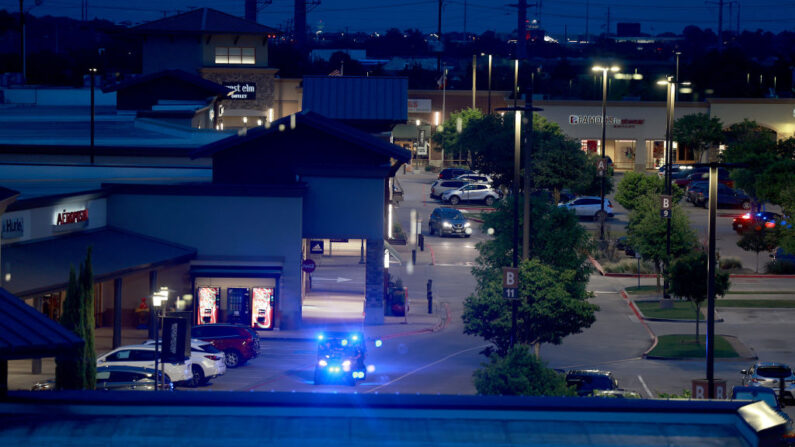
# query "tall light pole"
(604, 71)
(158, 299)
(671, 86)
(489, 98)
(474, 79)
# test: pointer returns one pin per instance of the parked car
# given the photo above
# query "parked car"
(474, 192)
(475, 178)
(767, 374)
(234, 340)
(585, 382)
(727, 197)
(449, 221)
(450, 173)
(441, 186)
(120, 378)
(701, 174)
(753, 221)
(676, 169)
(588, 206)
(692, 190)
(208, 361)
(566, 196)
(144, 356)
(781, 256)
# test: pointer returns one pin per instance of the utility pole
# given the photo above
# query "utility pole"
(607, 29)
(300, 24)
(22, 42)
(587, 19)
(439, 36)
(521, 31)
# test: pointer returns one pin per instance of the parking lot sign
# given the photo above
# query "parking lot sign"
(510, 283)
(665, 206)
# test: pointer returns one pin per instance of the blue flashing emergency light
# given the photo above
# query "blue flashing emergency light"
(378, 343)
(320, 336)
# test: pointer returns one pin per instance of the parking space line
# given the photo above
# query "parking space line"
(646, 388)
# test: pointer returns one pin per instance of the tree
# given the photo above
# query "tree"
(755, 148)
(449, 137)
(519, 373)
(559, 241)
(647, 232)
(699, 132)
(77, 370)
(757, 241)
(689, 280)
(634, 186)
(547, 311)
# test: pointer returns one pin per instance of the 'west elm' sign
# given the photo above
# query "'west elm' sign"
(242, 90)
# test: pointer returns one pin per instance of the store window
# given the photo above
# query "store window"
(624, 154)
(591, 146)
(234, 55)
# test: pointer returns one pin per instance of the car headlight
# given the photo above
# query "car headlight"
(467, 224)
(322, 363)
(447, 225)
(346, 365)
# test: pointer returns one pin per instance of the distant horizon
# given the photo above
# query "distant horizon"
(556, 18)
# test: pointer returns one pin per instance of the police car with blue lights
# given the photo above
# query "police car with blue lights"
(340, 358)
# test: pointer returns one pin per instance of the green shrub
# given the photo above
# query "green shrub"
(629, 266)
(730, 263)
(780, 268)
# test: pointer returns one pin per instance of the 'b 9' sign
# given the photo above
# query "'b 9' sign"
(510, 282)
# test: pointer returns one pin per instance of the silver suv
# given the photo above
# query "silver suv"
(474, 192)
(439, 187)
(767, 374)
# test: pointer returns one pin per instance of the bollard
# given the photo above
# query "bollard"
(421, 240)
(414, 256)
(430, 297)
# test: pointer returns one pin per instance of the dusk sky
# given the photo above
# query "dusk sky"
(481, 15)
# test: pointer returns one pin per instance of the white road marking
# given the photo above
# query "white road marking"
(427, 366)
(646, 388)
(633, 318)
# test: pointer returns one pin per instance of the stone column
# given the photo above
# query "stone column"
(374, 282)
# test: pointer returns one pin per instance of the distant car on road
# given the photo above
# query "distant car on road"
(587, 381)
(450, 173)
(474, 192)
(449, 221)
(675, 169)
(755, 221)
(767, 374)
(588, 206)
(439, 187)
(727, 197)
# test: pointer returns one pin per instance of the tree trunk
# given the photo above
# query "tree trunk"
(698, 318)
(757, 262)
(657, 271)
(537, 349)
(556, 195)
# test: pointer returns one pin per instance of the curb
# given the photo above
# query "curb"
(642, 321)
(596, 265)
(668, 320)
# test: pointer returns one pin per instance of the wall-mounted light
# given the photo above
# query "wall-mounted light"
(259, 122)
(245, 120)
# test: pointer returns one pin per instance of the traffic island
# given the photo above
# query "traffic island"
(681, 311)
(685, 347)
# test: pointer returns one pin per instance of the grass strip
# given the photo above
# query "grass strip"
(635, 290)
(769, 304)
(682, 310)
(684, 346)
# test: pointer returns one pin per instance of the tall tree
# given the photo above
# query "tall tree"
(647, 232)
(699, 132)
(634, 186)
(689, 280)
(519, 373)
(449, 137)
(755, 148)
(547, 311)
(758, 240)
(77, 370)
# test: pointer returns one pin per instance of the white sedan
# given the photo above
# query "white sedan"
(208, 361)
(144, 356)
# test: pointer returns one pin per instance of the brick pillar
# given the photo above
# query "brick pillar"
(374, 279)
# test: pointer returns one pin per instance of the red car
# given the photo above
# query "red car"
(239, 343)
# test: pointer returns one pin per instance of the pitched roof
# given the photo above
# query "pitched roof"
(179, 75)
(356, 98)
(203, 21)
(314, 121)
(27, 333)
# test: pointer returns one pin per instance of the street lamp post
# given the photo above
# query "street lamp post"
(489, 97)
(474, 79)
(158, 299)
(604, 71)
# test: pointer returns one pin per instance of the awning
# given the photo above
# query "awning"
(43, 266)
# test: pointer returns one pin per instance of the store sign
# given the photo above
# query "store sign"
(580, 120)
(69, 218)
(419, 105)
(13, 227)
(242, 90)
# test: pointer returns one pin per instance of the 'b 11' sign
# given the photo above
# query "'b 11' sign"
(510, 283)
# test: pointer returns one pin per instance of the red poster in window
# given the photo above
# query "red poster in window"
(209, 298)
(262, 308)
